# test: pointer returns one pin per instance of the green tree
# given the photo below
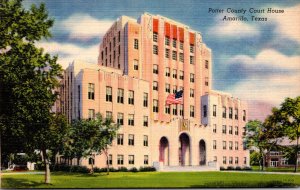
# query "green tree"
(28, 79)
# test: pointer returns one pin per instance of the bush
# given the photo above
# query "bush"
(147, 169)
(230, 168)
(134, 169)
(222, 168)
(97, 170)
(238, 168)
(123, 169)
(39, 166)
(113, 169)
(67, 168)
(247, 168)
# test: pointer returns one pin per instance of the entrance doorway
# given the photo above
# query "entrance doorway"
(202, 152)
(164, 151)
(184, 150)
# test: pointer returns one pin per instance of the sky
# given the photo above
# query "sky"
(257, 61)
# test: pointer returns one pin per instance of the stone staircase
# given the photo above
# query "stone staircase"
(188, 168)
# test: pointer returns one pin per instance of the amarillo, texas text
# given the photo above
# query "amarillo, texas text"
(242, 14)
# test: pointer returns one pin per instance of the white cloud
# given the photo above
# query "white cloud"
(232, 29)
(68, 52)
(84, 27)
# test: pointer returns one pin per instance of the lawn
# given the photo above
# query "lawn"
(271, 169)
(151, 180)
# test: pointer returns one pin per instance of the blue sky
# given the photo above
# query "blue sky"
(253, 60)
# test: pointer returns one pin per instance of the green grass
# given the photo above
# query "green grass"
(271, 169)
(151, 180)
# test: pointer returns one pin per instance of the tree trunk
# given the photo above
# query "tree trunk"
(47, 167)
(296, 154)
(78, 161)
(107, 162)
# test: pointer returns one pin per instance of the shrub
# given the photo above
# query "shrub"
(147, 169)
(39, 166)
(123, 169)
(247, 168)
(134, 169)
(222, 168)
(238, 168)
(97, 170)
(113, 169)
(230, 168)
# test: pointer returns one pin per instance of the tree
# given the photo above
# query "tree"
(28, 79)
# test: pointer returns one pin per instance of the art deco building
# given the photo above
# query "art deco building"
(140, 63)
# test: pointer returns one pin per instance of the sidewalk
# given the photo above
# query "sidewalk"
(17, 173)
(262, 172)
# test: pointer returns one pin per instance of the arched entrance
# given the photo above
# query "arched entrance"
(184, 150)
(164, 151)
(202, 151)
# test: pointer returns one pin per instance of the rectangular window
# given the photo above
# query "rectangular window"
(155, 49)
(230, 130)
(181, 45)
(230, 145)
(108, 94)
(191, 48)
(224, 145)
(102, 55)
(224, 159)
(215, 128)
(145, 102)
(236, 160)
(192, 111)
(230, 112)
(167, 109)
(131, 97)
(224, 112)
(206, 64)
(215, 158)
(192, 78)
(167, 55)
(174, 109)
(174, 43)
(91, 114)
(244, 131)
(110, 46)
(236, 111)
(174, 73)
(114, 54)
(192, 93)
(131, 139)
(215, 110)
(120, 159)
(146, 159)
(181, 57)
(180, 109)
(168, 89)
(155, 69)
(236, 145)
(114, 41)
(109, 159)
(244, 115)
(167, 41)
(120, 98)
(131, 119)
(214, 144)
(136, 64)
(204, 111)
(174, 55)
(136, 44)
(108, 114)
(191, 60)
(120, 139)
(155, 85)
(155, 37)
(230, 160)
(174, 89)
(119, 50)
(206, 81)
(145, 123)
(130, 159)
(167, 72)
(91, 91)
(120, 119)
(155, 106)
(236, 131)
(245, 160)
(145, 140)
(181, 75)
(119, 36)
(224, 129)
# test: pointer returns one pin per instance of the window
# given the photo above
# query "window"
(145, 103)
(130, 159)
(108, 114)
(230, 160)
(174, 89)
(224, 112)
(174, 55)
(155, 49)
(236, 131)
(236, 145)
(102, 55)
(119, 50)
(192, 111)
(105, 50)
(146, 159)
(114, 54)
(91, 114)
(174, 43)
(224, 159)
(192, 93)
(215, 128)
(168, 90)
(214, 144)
(181, 57)
(192, 77)
(230, 145)
(91, 161)
(206, 64)
(244, 115)
(155, 106)
(224, 145)
(236, 112)
(230, 130)
(155, 85)
(131, 119)
(167, 72)
(145, 123)
(145, 140)
(167, 55)
(174, 109)
(136, 44)
(181, 75)
(230, 113)
(120, 139)
(119, 36)
(155, 37)
(91, 91)
(120, 96)
(244, 145)
(244, 131)
(131, 97)
(215, 159)
(114, 41)
(109, 159)
(110, 46)
(245, 160)
(206, 81)
(214, 110)
(155, 69)
(204, 111)
(191, 48)
(191, 60)
(181, 45)
(174, 73)
(224, 129)
(180, 109)
(108, 94)
(120, 159)
(167, 41)
(131, 139)
(120, 119)
(236, 160)
(136, 64)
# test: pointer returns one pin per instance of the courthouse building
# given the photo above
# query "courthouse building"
(140, 63)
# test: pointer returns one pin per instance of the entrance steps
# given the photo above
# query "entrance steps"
(188, 168)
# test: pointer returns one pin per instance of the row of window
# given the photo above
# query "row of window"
(120, 139)
(120, 159)
(230, 160)
(224, 143)
(112, 45)
(174, 42)
(224, 129)
(230, 115)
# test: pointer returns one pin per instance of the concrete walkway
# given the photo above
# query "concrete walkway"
(18, 173)
(262, 172)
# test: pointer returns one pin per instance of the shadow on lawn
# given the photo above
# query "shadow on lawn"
(267, 184)
(20, 183)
